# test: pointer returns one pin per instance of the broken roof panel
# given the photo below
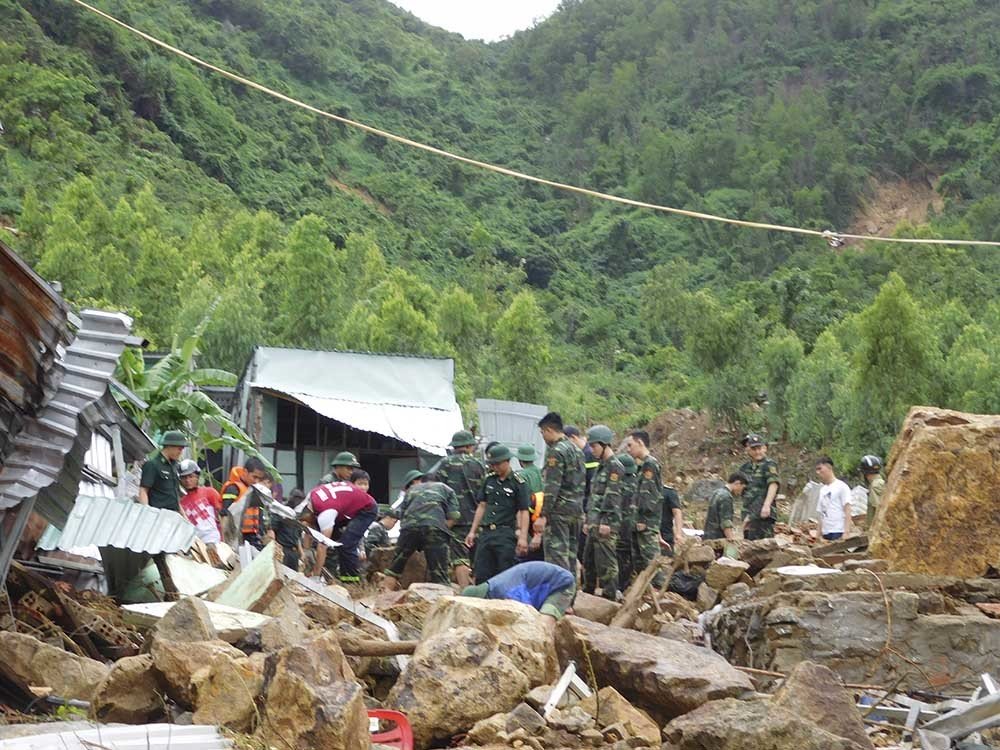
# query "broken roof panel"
(117, 737)
(405, 397)
(123, 524)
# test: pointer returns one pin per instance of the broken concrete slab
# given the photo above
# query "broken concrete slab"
(732, 724)
(257, 584)
(521, 632)
(455, 679)
(192, 578)
(817, 694)
(30, 663)
(663, 677)
(228, 623)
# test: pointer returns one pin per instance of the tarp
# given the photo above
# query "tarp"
(408, 398)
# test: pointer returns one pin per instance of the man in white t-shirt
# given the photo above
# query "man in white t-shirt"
(834, 502)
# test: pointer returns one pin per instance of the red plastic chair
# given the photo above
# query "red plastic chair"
(400, 736)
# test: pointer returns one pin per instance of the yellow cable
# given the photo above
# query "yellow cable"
(834, 238)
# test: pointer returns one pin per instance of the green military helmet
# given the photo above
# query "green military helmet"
(384, 509)
(411, 476)
(600, 433)
(526, 453)
(629, 463)
(462, 438)
(345, 458)
(173, 438)
(498, 454)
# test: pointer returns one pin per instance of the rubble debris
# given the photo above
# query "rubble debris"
(191, 578)
(228, 623)
(187, 621)
(183, 663)
(257, 584)
(724, 572)
(130, 693)
(226, 692)
(610, 708)
(569, 684)
(311, 699)
(443, 688)
(732, 724)
(30, 663)
(521, 632)
(594, 608)
(977, 716)
(148, 737)
(814, 692)
(664, 678)
(941, 475)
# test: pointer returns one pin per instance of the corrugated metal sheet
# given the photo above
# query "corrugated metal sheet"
(512, 423)
(33, 327)
(147, 737)
(48, 455)
(123, 524)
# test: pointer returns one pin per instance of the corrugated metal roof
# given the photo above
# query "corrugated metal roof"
(146, 737)
(48, 454)
(124, 524)
(513, 423)
(33, 327)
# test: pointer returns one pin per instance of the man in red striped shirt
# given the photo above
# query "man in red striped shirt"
(340, 507)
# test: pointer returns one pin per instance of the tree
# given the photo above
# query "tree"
(315, 289)
(782, 354)
(812, 391)
(523, 350)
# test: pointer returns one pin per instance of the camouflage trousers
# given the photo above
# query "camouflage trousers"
(600, 564)
(460, 554)
(625, 552)
(645, 549)
(559, 541)
(433, 542)
(760, 528)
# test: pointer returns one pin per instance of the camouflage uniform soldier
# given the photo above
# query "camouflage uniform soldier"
(648, 503)
(426, 514)
(604, 516)
(758, 498)
(626, 532)
(562, 507)
(464, 473)
(501, 518)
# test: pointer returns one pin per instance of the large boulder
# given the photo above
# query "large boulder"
(594, 608)
(311, 699)
(609, 707)
(724, 572)
(130, 694)
(738, 725)
(521, 632)
(814, 692)
(31, 663)
(453, 680)
(939, 512)
(226, 693)
(181, 663)
(186, 622)
(666, 678)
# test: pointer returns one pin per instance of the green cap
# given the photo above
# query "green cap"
(628, 462)
(479, 591)
(498, 454)
(462, 438)
(384, 509)
(345, 458)
(173, 438)
(526, 453)
(411, 476)
(600, 433)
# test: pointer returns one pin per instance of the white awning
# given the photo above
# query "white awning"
(422, 427)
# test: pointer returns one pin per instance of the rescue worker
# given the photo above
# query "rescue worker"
(159, 484)
(871, 468)
(546, 587)
(563, 478)
(241, 478)
(378, 532)
(604, 517)
(341, 468)
(626, 532)
(200, 505)
(345, 508)
(426, 516)
(502, 513)
(759, 509)
(464, 473)
(590, 464)
(526, 456)
(648, 503)
(719, 519)
(671, 520)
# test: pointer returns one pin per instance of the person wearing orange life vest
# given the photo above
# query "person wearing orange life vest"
(241, 479)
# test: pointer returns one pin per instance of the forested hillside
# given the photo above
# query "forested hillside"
(140, 181)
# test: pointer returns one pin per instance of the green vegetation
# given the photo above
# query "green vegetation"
(143, 183)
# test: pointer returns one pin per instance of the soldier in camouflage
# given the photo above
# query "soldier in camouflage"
(501, 519)
(604, 516)
(758, 498)
(426, 515)
(378, 532)
(648, 503)
(626, 533)
(464, 473)
(563, 476)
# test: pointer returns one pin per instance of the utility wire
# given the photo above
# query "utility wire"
(835, 239)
